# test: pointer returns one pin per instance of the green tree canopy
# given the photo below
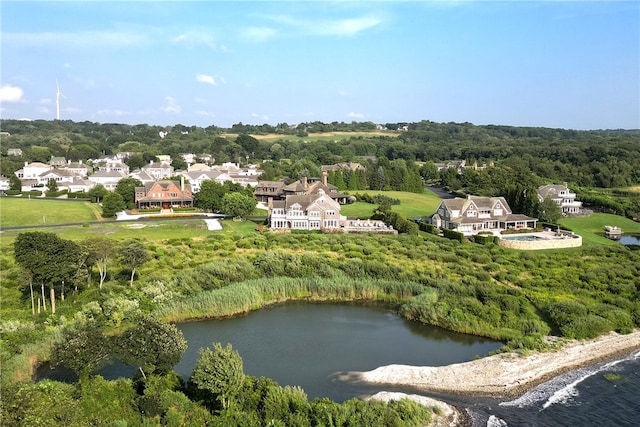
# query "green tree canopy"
(83, 348)
(218, 374)
(126, 187)
(98, 192)
(238, 205)
(133, 254)
(151, 345)
(98, 251)
(52, 185)
(112, 204)
(549, 211)
(49, 258)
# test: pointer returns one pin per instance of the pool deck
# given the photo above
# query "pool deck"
(546, 240)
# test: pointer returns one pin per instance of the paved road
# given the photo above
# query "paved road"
(440, 192)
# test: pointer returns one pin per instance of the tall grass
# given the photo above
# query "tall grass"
(254, 294)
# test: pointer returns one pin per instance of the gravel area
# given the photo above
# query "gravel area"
(507, 374)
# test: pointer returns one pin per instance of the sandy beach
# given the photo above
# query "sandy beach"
(507, 374)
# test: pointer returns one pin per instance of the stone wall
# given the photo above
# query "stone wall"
(565, 241)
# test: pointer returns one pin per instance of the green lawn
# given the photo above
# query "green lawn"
(411, 204)
(25, 211)
(591, 228)
(155, 231)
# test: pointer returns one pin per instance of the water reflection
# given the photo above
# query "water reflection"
(306, 344)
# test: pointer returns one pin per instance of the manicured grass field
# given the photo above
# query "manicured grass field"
(150, 231)
(591, 228)
(25, 211)
(411, 204)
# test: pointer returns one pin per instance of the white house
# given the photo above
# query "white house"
(32, 170)
(60, 176)
(196, 178)
(79, 168)
(474, 214)
(563, 197)
(306, 212)
(159, 171)
(108, 180)
(5, 184)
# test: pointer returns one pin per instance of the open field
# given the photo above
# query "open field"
(591, 228)
(411, 204)
(149, 231)
(25, 211)
(327, 136)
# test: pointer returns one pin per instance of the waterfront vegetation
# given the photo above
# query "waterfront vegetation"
(512, 296)
(519, 298)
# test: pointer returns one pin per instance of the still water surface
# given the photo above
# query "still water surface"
(306, 344)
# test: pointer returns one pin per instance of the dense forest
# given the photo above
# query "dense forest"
(586, 158)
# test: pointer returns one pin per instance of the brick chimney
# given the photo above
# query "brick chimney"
(324, 177)
(305, 185)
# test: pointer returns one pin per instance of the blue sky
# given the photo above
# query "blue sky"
(564, 64)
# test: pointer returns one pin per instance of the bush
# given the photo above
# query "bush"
(485, 240)
(453, 235)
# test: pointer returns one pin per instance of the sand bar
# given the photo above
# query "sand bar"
(506, 374)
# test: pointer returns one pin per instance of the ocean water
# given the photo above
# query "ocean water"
(604, 394)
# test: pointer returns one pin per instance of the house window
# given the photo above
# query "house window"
(331, 213)
(472, 213)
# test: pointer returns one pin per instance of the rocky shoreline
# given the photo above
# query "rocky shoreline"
(502, 375)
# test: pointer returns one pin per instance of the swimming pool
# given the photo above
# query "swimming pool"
(528, 238)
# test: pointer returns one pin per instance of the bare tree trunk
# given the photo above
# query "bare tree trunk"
(44, 301)
(52, 293)
(133, 273)
(62, 293)
(33, 303)
(38, 305)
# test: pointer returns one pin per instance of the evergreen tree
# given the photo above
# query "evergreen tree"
(111, 204)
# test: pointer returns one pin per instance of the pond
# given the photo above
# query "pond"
(306, 344)
(628, 239)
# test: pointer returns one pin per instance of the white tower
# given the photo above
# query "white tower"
(58, 95)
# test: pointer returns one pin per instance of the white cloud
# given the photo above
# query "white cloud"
(348, 27)
(46, 101)
(356, 115)
(328, 27)
(203, 78)
(10, 93)
(197, 38)
(172, 106)
(206, 113)
(258, 33)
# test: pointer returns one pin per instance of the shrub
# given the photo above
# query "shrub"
(453, 235)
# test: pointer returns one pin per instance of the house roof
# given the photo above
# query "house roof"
(551, 190)
(304, 200)
(165, 185)
(480, 202)
(59, 172)
(108, 174)
(198, 167)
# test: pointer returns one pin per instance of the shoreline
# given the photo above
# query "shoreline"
(506, 374)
